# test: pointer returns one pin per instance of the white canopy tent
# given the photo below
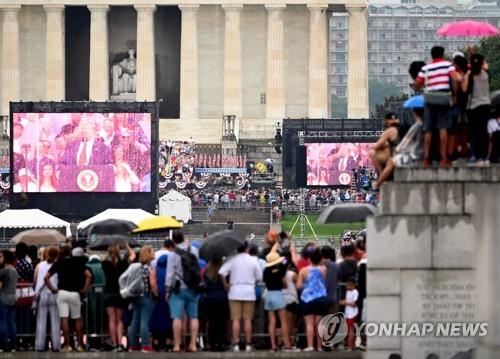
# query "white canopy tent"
(134, 215)
(31, 218)
(175, 204)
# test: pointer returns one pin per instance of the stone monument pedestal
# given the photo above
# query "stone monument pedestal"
(432, 257)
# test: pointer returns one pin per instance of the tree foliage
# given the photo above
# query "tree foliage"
(379, 91)
(339, 107)
(489, 47)
(392, 104)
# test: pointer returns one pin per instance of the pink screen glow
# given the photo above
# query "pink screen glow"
(82, 152)
(332, 164)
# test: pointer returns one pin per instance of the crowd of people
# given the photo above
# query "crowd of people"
(457, 122)
(153, 298)
(285, 199)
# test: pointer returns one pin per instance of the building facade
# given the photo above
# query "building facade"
(399, 34)
(260, 61)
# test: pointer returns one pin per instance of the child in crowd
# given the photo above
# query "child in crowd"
(351, 311)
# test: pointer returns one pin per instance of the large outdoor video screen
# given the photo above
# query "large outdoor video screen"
(81, 152)
(333, 164)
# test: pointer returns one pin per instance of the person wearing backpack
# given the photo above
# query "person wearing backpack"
(142, 292)
(182, 284)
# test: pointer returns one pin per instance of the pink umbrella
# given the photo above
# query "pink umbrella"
(468, 28)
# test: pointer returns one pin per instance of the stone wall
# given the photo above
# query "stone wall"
(422, 256)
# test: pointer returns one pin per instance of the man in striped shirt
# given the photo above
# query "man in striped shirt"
(437, 76)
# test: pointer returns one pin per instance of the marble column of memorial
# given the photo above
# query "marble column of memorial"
(276, 82)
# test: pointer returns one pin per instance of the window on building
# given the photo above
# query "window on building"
(382, 35)
(383, 70)
(383, 59)
(340, 57)
(341, 91)
(398, 45)
(397, 24)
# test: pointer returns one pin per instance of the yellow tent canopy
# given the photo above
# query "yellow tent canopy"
(157, 223)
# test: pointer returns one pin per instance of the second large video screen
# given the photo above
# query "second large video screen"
(333, 164)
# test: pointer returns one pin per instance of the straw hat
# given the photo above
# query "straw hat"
(273, 258)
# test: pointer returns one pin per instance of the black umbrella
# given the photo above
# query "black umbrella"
(111, 226)
(344, 213)
(221, 244)
(106, 240)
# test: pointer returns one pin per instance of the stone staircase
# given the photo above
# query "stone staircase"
(260, 150)
(245, 221)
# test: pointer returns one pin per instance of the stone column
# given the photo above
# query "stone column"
(275, 100)
(11, 89)
(232, 63)
(318, 61)
(189, 100)
(146, 79)
(54, 53)
(99, 57)
(357, 62)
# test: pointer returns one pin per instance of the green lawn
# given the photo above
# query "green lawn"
(321, 230)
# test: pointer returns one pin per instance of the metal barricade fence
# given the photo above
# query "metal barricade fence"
(95, 316)
(96, 320)
(25, 314)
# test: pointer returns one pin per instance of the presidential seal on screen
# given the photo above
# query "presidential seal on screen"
(344, 179)
(87, 180)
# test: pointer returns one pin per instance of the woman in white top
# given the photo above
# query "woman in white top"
(46, 303)
(48, 179)
(125, 179)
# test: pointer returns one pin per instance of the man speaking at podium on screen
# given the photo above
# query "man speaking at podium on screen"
(86, 164)
(86, 149)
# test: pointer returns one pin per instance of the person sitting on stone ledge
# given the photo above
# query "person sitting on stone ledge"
(383, 149)
(408, 152)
